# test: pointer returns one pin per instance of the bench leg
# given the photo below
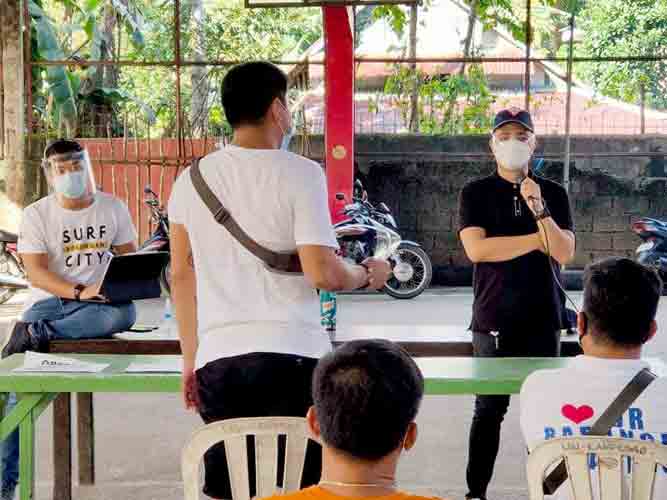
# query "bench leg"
(62, 447)
(86, 435)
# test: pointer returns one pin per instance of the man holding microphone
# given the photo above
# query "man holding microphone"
(517, 230)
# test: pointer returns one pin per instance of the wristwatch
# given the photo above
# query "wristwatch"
(542, 214)
(77, 291)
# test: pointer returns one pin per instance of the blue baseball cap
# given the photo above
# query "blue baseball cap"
(513, 115)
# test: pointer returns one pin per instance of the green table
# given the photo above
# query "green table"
(444, 376)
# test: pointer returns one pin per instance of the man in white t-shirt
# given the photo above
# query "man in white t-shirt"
(620, 303)
(252, 336)
(65, 242)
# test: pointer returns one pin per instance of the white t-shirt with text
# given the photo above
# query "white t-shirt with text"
(280, 200)
(77, 242)
(567, 402)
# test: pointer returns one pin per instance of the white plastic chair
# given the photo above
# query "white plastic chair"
(233, 433)
(610, 452)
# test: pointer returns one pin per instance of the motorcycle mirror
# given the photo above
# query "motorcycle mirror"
(340, 196)
(147, 189)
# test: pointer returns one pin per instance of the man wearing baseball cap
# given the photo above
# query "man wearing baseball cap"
(517, 230)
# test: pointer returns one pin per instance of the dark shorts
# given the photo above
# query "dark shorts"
(255, 385)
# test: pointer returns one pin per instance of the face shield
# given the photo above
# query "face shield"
(70, 175)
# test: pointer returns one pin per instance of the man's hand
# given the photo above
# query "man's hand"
(189, 389)
(92, 292)
(379, 272)
(531, 192)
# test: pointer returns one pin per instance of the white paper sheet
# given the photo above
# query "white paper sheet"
(48, 363)
(160, 365)
(158, 334)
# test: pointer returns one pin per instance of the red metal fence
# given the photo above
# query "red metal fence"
(125, 166)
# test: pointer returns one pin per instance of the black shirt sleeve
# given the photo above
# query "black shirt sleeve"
(560, 210)
(471, 211)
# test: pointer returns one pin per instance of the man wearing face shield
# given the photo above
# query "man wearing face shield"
(517, 229)
(65, 242)
(251, 338)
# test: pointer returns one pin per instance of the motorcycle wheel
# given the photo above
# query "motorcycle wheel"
(8, 265)
(165, 278)
(418, 277)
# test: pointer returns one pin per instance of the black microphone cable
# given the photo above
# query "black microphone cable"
(551, 267)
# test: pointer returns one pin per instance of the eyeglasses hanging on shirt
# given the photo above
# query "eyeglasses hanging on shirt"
(517, 201)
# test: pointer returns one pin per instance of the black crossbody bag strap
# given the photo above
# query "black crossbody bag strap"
(605, 422)
(283, 262)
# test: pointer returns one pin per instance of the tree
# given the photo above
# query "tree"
(618, 28)
(63, 95)
(139, 30)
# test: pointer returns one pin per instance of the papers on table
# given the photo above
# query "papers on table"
(158, 365)
(48, 363)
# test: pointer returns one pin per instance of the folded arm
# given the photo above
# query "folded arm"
(559, 243)
(479, 248)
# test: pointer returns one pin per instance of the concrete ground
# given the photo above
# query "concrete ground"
(139, 437)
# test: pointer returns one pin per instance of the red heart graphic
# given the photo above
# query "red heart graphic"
(577, 415)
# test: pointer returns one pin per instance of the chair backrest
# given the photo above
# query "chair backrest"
(233, 433)
(610, 453)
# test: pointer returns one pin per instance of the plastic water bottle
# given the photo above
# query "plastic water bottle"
(328, 312)
(167, 327)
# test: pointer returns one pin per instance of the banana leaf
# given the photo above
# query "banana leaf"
(133, 22)
(60, 85)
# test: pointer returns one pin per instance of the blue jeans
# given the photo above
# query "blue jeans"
(59, 319)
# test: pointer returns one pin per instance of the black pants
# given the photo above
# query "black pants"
(255, 385)
(490, 410)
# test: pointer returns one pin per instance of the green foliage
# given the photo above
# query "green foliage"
(58, 80)
(237, 33)
(395, 15)
(81, 30)
(618, 28)
(456, 104)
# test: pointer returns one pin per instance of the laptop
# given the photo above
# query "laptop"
(132, 276)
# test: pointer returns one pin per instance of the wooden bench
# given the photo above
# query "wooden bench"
(458, 345)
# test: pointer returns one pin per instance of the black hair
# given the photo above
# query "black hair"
(62, 146)
(249, 89)
(620, 301)
(366, 394)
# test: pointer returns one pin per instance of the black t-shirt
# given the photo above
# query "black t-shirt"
(520, 294)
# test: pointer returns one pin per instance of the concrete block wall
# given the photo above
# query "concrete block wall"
(416, 179)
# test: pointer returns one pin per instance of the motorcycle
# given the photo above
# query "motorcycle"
(12, 273)
(653, 250)
(159, 240)
(412, 270)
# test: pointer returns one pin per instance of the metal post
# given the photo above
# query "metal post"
(414, 92)
(568, 108)
(642, 107)
(177, 64)
(339, 104)
(2, 90)
(20, 153)
(529, 42)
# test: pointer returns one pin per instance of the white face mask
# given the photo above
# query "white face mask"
(71, 185)
(512, 154)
